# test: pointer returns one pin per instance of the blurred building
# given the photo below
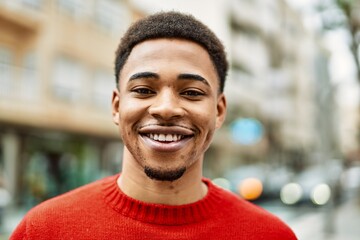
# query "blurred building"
(279, 76)
(56, 79)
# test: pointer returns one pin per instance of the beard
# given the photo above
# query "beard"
(156, 173)
(164, 175)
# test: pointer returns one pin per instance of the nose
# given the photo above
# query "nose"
(166, 106)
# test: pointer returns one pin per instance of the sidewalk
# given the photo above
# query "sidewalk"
(11, 220)
(347, 221)
(343, 224)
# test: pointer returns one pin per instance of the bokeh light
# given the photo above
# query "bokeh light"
(250, 188)
(321, 194)
(291, 193)
(222, 182)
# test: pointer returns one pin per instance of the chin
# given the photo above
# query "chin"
(164, 174)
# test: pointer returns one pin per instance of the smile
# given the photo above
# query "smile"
(165, 142)
(165, 137)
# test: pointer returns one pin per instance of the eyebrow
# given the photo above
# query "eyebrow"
(190, 76)
(182, 76)
(143, 75)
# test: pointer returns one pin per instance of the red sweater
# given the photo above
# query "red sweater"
(101, 211)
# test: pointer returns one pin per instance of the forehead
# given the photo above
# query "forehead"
(170, 56)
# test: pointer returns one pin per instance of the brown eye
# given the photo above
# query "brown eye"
(192, 93)
(143, 91)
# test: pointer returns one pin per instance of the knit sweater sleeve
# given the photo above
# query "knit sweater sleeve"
(20, 231)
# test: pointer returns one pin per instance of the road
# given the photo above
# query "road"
(320, 223)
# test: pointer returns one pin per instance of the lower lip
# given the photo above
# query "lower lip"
(165, 146)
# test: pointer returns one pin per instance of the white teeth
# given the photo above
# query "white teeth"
(165, 137)
(162, 137)
(168, 138)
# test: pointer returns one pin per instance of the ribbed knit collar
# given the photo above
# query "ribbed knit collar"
(160, 213)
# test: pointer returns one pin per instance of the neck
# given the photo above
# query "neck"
(188, 189)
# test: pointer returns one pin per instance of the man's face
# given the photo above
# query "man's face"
(168, 106)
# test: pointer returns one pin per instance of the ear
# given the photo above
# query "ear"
(221, 110)
(115, 102)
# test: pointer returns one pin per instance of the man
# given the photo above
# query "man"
(170, 72)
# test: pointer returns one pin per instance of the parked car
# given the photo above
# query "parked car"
(257, 182)
(316, 185)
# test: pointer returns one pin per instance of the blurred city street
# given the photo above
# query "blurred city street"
(290, 141)
(311, 223)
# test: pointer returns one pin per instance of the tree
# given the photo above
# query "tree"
(343, 14)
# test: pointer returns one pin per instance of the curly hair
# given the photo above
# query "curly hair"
(172, 25)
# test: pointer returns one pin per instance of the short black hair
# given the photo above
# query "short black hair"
(172, 25)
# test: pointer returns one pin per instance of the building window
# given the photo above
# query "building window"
(7, 81)
(29, 78)
(76, 8)
(68, 6)
(103, 84)
(68, 78)
(34, 4)
(111, 15)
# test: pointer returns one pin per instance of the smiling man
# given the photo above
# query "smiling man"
(170, 71)
(167, 106)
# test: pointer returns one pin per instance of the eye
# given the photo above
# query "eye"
(143, 91)
(192, 93)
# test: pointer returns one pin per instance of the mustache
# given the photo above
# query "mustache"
(166, 124)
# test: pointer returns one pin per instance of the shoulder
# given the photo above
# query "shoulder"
(83, 195)
(69, 205)
(76, 210)
(234, 203)
(242, 214)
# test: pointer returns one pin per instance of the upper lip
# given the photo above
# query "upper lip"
(173, 129)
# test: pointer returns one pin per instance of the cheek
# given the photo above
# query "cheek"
(128, 109)
(206, 117)
(206, 120)
(131, 113)
(206, 124)
(126, 116)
